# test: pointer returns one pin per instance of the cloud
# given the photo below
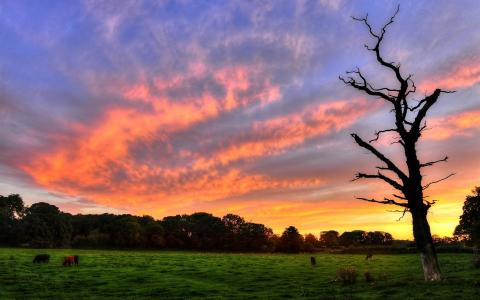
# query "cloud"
(458, 124)
(331, 4)
(459, 76)
(270, 137)
(101, 166)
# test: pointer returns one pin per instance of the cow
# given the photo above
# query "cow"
(313, 261)
(68, 260)
(41, 258)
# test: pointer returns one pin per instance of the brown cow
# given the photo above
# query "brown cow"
(68, 260)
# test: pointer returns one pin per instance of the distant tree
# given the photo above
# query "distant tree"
(387, 239)
(177, 234)
(155, 235)
(256, 237)
(274, 242)
(233, 223)
(352, 238)
(92, 231)
(409, 126)
(94, 239)
(126, 232)
(291, 240)
(378, 238)
(234, 226)
(329, 238)
(205, 231)
(469, 224)
(310, 242)
(11, 210)
(45, 226)
(145, 220)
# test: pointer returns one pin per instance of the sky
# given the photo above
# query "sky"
(173, 107)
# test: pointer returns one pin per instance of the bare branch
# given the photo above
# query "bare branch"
(365, 21)
(437, 181)
(383, 168)
(364, 85)
(428, 101)
(384, 89)
(385, 201)
(399, 197)
(418, 105)
(399, 141)
(379, 175)
(413, 88)
(392, 18)
(404, 211)
(428, 204)
(377, 134)
(424, 126)
(380, 156)
(379, 38)
(431, 163)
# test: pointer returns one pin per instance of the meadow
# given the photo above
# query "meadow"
(104, 274)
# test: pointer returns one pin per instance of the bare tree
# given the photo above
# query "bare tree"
(408, 128)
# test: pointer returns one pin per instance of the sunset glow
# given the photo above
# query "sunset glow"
(165, 108)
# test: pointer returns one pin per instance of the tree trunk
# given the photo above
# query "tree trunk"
(424, 242)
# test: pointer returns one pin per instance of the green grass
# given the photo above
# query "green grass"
(193, 275)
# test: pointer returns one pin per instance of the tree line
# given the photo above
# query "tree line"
(43, 225)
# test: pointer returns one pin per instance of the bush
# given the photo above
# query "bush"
(368, 276)
(347, 275)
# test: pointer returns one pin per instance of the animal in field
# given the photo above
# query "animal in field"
(76, 258)
(313, 261)
(41, 258)
(369, 256)
(69, 260)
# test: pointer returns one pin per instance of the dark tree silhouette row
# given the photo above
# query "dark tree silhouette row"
(43, 225)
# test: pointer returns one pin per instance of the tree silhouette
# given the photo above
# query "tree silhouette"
(44, 225)
(329, 238)
(11, 210)
(469, 223)
(291, 240)
(409, 126)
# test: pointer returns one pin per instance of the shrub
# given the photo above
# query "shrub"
(347, 275)
(368, 276)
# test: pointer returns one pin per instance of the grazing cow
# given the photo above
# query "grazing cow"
(313, 261)
(68, 260)
(75, 259)
(41, 258)
(369, 256)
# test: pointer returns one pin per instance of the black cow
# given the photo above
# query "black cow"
(41, 258)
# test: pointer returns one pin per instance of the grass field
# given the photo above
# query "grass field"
(193, 275)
